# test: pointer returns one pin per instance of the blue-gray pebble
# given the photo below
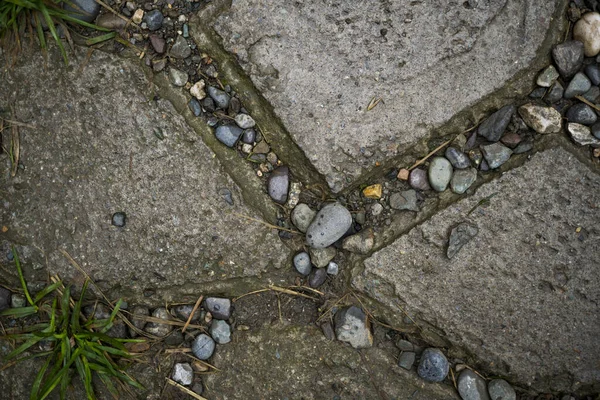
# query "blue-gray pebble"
(220, 331)
(499, 389)
(496, 154)
(83, 10)
(219, 307)
(249, 136)
(194, 106)
(593, 73)
(279, 184)
(578, 85)
(328, 226)
(439, 173)
(220, 97)
(582, 114)
(154, 20)
(119, 219)
(203, 347)
(302, 263)
(493, 128)
(433, 366)
(228, 134)
(457, 158)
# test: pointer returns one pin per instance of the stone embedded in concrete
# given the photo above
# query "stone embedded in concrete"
(524, 293)
(409, 53)
(94, 155)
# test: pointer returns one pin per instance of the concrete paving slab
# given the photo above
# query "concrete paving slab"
(101, 144)
(522, 296)
(321, 63)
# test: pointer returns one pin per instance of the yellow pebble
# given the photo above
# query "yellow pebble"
(373, 191)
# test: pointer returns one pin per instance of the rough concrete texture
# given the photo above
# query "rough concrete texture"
(94, 151)
(320, 64)
(298, 362)
(522, 296)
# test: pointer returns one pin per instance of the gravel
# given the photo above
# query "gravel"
(194, 106)
(220, 97)
(158, 329)
(321, 257)
(541, 119)
(361, 243)
(407, 359)
(302, 263)
(496, 154)
(547, 77)
(439, 173)
(593, 73)
(351, 327)
(158, 43)
(555, 93)
(493, 128)
(317, 277)
(457, 158)
(220, 331)
(177, 77)
(183, 373)
(328, 226)
(471, 386)
(84, 10)
(302, 216)
(582, 114)
(219, 307)
(333, 268)
(203, 347)
(154, 20)
(249, 136)
(568, 57)
(578, 85)
(5, 297)
(433, 366)
(462, 180)
(244, 121)
(418, 179)
(181, 48)
(582, 135)
(228, 134)
(279, 184)
(119, 219)
(138, 323)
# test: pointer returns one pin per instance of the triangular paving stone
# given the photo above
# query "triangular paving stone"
(320, 64)
(522, 296)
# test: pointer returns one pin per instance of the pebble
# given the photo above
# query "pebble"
(592, 94)
(496, 154)
(555, 93)
(499, 389)
(462, 180)
(194, 106)
(197, 388)
(220, 331)
(203, 347)
(403, 174)
(373, 191)
(197, 89)
(158, 43)
(302, 216)
(418, 179)
(183, 373)
(328, 226)
(587, 31)
(110, 21)
(548, 76)
(244, 121)
(180, 49)
(208, 104)
(227, 195)
(327, 329)
(279, 184)
(593, 73)
(457, 158)
(321, 257)
(523, 147)
(18, 301)
(578, 85)
(302, 263)
(596, 130)
(261, 148)
(407, 359)
(158, 329)
(351, 327)
(471, 386)
(220, 97)
(154, 20)
(459, 236)
(177, 77)
(439, 173)
(406, 200)
(433, 366)
(219, 307)
(234, 106)
(582, 114)
(537, 93)
(493, 128)
(568, 57)
(228, 134)
(138, 16)
(333, 268)
(272, 158)
(84, 10)
(119, 219)
(511, 140)
(138, 323)
(541, 119)
(362, 242)
(405, 345)
(249, 136)
(159, 65)
(5, 298)
(317, 277)
(582, 135)
(376, 209)
(184, 312)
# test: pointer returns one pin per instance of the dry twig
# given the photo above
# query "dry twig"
(184, 389)
(187, 323)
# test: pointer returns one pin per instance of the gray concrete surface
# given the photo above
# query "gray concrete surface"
(321, 63)
(93, 152)
(522, 296)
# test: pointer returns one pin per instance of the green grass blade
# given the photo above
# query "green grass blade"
(40, 31)
(21, 278)
(35, 389)
(89, 390)
(107, 380)
(95, 336)
(58, 373)
(23, 347)
(52, 28)
(77, 309)
(19, 312)
(101, 38)
(47, 290)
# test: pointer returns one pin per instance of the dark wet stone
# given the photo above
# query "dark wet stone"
(195, 107)
(582, 114)
(227, 196)
(180, 49)
(578, 85)
(175, 338)
(568, 57)
(158, 43)
(5, 296)
(457, 158)
(524, 146)
(203, 347)
(493, 128)
(317, 277)
(471, 141)
(212, 121)
(258, 158)
(476, 156)
(460, 235)
(327, 329)
(433, 366)
(484, 166)
(511, 140)
(279, 184)
(119, 219)
(596, 130)
(84, 10)
(471, 386)
(249, 136)
(302, 263)
(406, 200)
(537, 93)
(234, 107)
(592, 94)
(593, 73)
(228, 134)
(219, 307)
(208, 104)
(154, 20)
(496, 154)
(407, 359)
(330, 224)
(555, 93)
(220, 97)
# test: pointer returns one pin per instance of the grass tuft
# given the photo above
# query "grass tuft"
(77, 345)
